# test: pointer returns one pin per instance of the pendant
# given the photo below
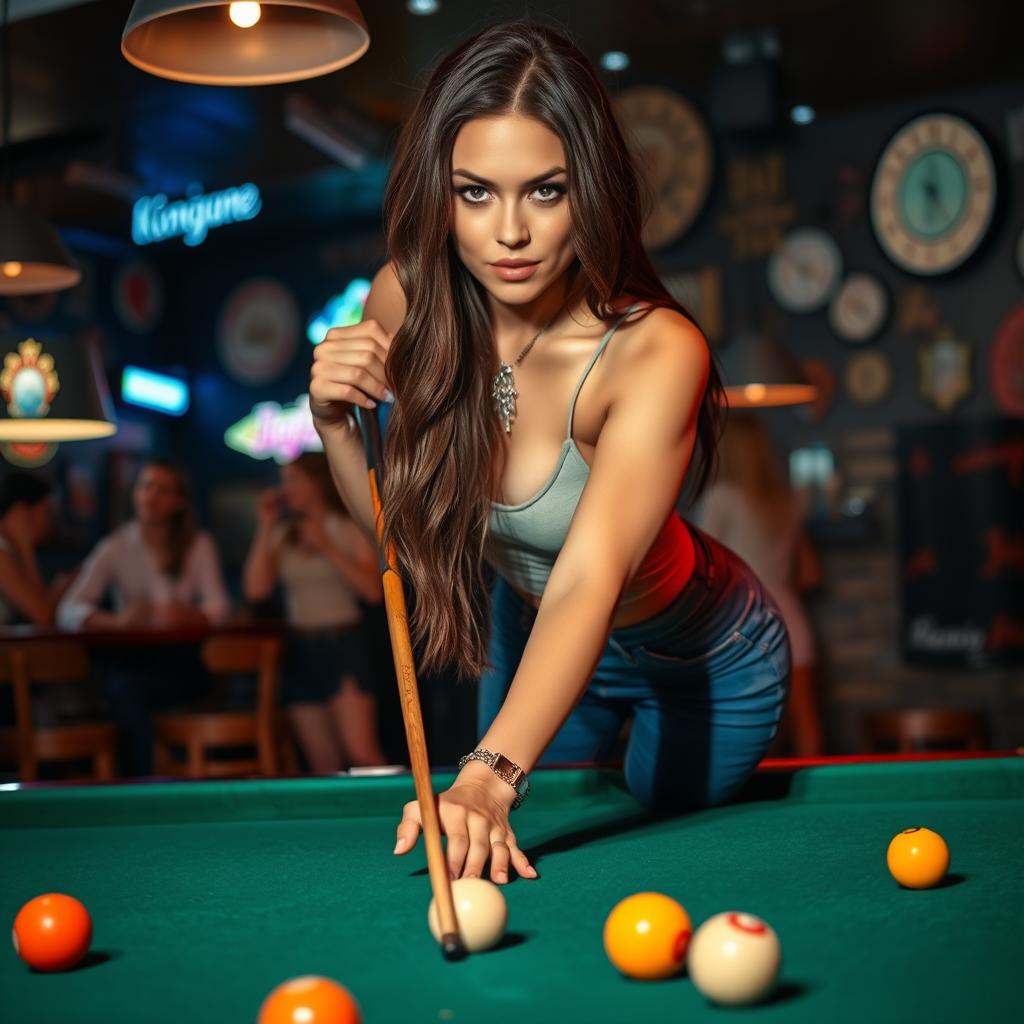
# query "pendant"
(503, 391)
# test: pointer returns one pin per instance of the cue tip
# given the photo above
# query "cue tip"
(451, 946)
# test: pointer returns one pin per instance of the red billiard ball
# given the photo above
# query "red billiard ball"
(310, 1000)
(52, 932)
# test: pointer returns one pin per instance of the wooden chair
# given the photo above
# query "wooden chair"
(26, 663)
(920, 729)
(201, 732)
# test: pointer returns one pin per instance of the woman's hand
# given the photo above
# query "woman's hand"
(348, 369)
(474, 816)
(269, 506)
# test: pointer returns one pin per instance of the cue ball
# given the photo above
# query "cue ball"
(480, 910)
(52, 932)
(734, 959)
(918, 858)
(310, 1000)
(646, 935)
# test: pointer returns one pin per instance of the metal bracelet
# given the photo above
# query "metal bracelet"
(507, 773)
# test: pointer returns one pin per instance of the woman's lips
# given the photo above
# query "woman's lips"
(514, 273)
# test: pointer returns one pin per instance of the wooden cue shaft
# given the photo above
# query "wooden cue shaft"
(412, 714)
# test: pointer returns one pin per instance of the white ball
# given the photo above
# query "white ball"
(480, 910)
(734, 959)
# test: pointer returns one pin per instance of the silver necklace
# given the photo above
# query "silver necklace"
(503, 384)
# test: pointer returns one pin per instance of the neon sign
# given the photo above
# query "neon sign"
(157, 218)
(282, 432)
(342, 310)
(155, 391)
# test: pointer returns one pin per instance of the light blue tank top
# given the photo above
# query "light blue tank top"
(525, 539)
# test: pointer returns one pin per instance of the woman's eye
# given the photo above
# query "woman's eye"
(475, 197)
(552, 192)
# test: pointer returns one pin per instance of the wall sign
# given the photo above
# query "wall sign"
(342, 310)
(944, 366)
(281, 432)
(157, 218)
(258, 331)
(29, 381)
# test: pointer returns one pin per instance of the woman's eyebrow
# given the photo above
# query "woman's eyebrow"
(490, 184)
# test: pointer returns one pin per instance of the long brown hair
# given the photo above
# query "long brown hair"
(443, 438)
(182, 529)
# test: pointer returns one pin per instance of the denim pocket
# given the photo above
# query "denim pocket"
(656, 658)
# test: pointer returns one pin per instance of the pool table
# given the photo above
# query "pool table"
(206, 895)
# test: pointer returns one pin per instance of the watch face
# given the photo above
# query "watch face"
(804, 271)
(933, 194)
(860, 308)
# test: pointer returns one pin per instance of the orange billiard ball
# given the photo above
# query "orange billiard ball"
(52, 932)
(646, 935)
(310, 1000)
(918, 858)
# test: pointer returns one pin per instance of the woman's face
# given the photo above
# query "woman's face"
(510, 202)
(157, 496)
(300, 490)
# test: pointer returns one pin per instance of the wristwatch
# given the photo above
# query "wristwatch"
(505, 769)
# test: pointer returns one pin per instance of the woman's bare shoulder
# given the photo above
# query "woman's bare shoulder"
(386, 301)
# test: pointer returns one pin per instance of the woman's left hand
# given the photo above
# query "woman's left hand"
(474, 816)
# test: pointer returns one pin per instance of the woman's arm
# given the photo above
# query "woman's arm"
(334, 359)
(22, 585)
(660, 371)
(259, 577)
(78, 607)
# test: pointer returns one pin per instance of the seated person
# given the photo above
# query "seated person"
(162, 573)
(26, 517)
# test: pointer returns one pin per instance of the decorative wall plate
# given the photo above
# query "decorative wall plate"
(868, 377)
(258, 331)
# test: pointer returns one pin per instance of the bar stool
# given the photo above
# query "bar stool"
(24, 664)
(200, 732)
(920, 729)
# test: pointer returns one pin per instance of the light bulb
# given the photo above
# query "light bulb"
(12, 269)
(244, 15)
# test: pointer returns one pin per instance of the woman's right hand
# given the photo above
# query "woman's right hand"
(269, 506)
(348, 370)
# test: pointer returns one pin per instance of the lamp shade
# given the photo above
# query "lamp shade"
(53, 390)
(202, 41)
(759, 371)
(33, 259)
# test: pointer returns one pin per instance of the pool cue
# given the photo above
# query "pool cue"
(408, 690)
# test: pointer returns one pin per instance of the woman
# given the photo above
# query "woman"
(162, 573)
(325, 563)
(26, 517)
(751, 509)
(550, 397)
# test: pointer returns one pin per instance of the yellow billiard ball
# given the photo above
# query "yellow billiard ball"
(646, 936)
(918, 858)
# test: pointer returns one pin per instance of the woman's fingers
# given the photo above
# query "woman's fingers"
(408, 828)
(520, 861)
(479, 847)
(499, 861)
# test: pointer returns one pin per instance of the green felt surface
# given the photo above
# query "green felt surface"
(204, 896)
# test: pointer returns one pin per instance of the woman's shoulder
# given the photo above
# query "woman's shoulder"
(659, 338)
(386, 302)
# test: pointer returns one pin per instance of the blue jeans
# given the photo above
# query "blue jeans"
(705, 681)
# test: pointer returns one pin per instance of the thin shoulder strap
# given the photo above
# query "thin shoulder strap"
(590, 365)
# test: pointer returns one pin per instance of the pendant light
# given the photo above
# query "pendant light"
(214, 42)
(53, 389)
(758, 371)
(33, 259)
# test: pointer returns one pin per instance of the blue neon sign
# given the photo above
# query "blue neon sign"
(157, 218)
(340, 310)
(154, 391)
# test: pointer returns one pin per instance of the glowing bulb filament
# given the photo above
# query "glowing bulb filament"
(244, 15)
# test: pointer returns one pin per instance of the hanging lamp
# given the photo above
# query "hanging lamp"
(33, 258)
(758, 371)
(214, 42)
(53, 389)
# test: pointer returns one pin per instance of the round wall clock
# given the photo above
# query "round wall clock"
(868, 377)
(673, 150)
(933, 195)
(804, 271)
(860, 308)
(258, 331)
